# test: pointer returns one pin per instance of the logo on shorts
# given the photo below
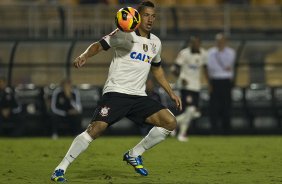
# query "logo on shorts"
(104, 111)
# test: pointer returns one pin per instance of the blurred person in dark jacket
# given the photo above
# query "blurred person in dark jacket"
(10, 109)
(66, 108)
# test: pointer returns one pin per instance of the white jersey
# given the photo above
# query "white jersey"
(133, 57)
(191, 67)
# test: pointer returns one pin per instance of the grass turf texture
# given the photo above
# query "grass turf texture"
(202, 160)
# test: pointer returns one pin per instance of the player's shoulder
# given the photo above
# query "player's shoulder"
(116, 33)
(203, 50)
(230, 49)
(186, 50)
(212, 50)
(154, 38)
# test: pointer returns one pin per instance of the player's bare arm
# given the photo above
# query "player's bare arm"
(158, 74)
(92, 50)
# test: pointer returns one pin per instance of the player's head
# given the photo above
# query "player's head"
(66, 84)
(220, 39)
(194, 44)
(148, 15)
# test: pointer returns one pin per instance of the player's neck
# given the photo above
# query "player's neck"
(143, 33)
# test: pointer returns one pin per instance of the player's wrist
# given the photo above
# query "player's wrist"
(84, 56)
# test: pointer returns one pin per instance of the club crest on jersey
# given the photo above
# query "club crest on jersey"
(145, 47)
(140, 57)
(154, 48)
(104, 111)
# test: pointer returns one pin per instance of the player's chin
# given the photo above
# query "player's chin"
(148, 27)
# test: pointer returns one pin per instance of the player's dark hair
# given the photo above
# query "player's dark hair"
(145, 4)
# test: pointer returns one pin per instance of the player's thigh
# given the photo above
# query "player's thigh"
(163, 118)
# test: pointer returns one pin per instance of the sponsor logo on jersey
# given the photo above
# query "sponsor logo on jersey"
(193, 66)
(140, 57)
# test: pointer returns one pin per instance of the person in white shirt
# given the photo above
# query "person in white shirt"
(136, 54)
(188, 67)
(220, 66)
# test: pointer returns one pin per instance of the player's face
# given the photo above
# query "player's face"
(196, 43)
(148, 17)
(221, 43)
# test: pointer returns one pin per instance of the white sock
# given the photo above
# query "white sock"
(155, 136)
(79, 144)
(187, 118)
(181, 118)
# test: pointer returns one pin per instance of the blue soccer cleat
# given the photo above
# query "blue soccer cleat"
(136, 162)
(58, 176)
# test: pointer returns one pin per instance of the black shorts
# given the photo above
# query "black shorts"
(114, 106)
(189, 98)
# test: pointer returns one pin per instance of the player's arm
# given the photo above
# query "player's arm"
(158, 74)
(92, 50)
(175, 69)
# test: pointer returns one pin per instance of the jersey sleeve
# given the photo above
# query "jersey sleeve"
(180, 58)
(157, 59)
(113, 39)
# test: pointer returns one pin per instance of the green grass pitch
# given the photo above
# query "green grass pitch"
(202, 160)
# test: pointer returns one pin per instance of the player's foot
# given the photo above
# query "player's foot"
(173, 133)
(58, 176)
(182, 138)
(136, 162)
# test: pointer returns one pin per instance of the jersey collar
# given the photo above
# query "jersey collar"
(138, 34)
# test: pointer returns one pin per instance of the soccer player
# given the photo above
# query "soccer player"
(136, 54)
(188, 67)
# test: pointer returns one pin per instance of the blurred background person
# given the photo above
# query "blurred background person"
(10, 124)
(220, 66)
(188, 67)
(66, 108)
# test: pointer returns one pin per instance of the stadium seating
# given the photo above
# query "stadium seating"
(33, 106)
(203, 123)
(90, 95)
(277, 98)
(239, 116)
(259, 106)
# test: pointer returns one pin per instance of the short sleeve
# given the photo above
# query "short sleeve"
(180, 58)
(112, 40)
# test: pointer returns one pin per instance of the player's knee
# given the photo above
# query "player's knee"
(95, 129)
(170, 123)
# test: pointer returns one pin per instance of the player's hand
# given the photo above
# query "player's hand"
(177, 101)
(80, 61)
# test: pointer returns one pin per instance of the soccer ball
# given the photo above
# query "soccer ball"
(128, 19)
